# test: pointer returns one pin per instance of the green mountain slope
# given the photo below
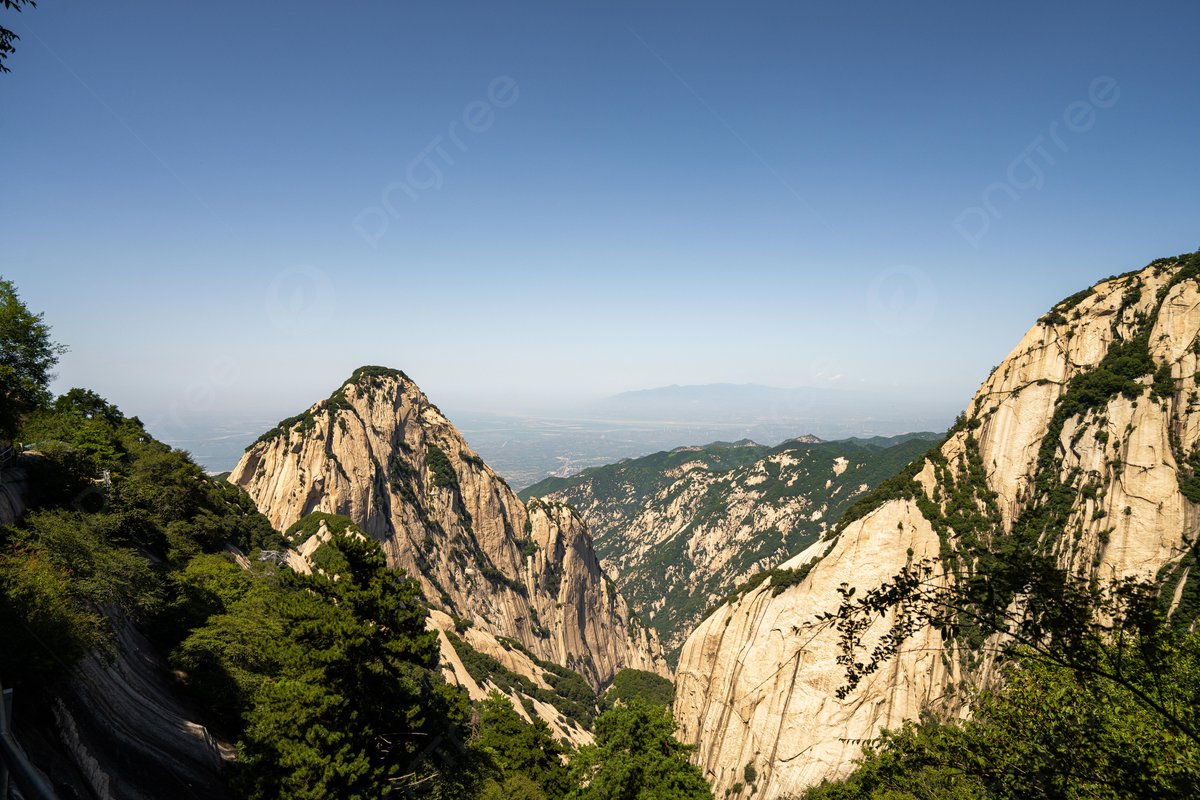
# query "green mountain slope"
(677, 530)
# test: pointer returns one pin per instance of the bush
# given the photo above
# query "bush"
(46, 629)
(440, 467)
(636, 755)
(636, 684)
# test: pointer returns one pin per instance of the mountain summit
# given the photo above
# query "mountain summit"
(379, 453)
(1082, 446)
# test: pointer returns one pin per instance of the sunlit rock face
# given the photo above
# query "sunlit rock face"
(755, 685)
(677, 538)
(377, 451)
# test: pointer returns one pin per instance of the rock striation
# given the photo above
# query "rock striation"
(677, 531)
(16, 486)
(377, 451)
(755, 684)
(122, 731)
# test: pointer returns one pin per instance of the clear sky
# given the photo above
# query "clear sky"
(226, 207)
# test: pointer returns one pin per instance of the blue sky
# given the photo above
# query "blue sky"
(625, 196)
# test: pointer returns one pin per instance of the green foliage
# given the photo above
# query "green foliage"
(156, 501)
(778, 476)
(44, 626)
(636, 684)
(902, 486)
(636, 757)
(646, 475)
(1049, 732)
(783, 579)
(27, 355)
(441, 468)
(326, 557)
(1164, 384)
(496, 576)
(364, 379)
(1074, 300)
(315, 669)
(95, 552)
(308, 525)
(229, 657)
(520, 749)
(515, 787)
(1104, 648)
(570, 694)
(284, 427)
(131, 544)
(1186, 571)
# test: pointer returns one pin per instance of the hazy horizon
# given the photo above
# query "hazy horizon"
(224, 209)
(525, 444)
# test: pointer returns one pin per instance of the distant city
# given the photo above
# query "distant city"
(525, 448)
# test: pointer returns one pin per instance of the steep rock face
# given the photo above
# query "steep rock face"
(457, 674)
(702, 530)
(121, 731)
(16, 486)
(756, 685)
(378, 452)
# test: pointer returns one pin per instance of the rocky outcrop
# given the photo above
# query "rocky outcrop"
(756, 683)
(456, 674)
(377, 451)
(119, 730)
(16, 485)
(700, 529)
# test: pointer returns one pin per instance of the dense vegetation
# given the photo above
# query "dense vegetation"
(1102, 687)
(366, 379)
(646, 475)
(1048, 731)
(118, 518)
(300, 530)
(26, 352)
(570, 694)
(329, 683)
(636, 756)
(637, 684)
(772, 516)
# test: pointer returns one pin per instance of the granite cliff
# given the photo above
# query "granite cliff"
(677, 531)
(378, 452)
(1096, 407)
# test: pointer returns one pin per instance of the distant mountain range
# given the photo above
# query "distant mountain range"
(728, 401)
(678, 530)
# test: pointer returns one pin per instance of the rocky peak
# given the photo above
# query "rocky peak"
(1086, 440)
(378, 452)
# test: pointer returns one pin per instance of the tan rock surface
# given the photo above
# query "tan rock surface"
(457, 675)
(754, 684)
(707, 530)
(381, 454)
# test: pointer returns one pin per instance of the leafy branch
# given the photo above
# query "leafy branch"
(1047, 613)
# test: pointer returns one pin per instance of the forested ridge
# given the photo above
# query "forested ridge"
(327, 683)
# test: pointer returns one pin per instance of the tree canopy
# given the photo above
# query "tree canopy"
(328, 682)
(1048, 731)
(636, 757)
(27, 355)
(7, 37)
(518, 748)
